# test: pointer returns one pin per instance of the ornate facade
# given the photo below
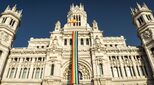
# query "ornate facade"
(102, 60)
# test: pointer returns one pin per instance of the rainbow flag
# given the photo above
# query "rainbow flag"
(74, 69)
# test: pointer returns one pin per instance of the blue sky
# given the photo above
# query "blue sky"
(40, 16)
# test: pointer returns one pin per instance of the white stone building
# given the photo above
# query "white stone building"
(102, 60)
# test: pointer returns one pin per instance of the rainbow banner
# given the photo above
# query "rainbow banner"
(74, 69)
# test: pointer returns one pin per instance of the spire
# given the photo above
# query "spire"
(57, 25)
(95, 26)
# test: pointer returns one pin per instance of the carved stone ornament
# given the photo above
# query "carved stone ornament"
(4, 37)
(147, 34)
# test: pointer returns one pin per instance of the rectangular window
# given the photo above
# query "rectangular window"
(82, 43)
(87, 41)
(115, 72)
(12, 73)
(20, 73)
(37, 73)
(112, 71)
(120, 71)
(52, 69)
(33, 73)
(41, 73)
(11, 21)
(0, 53)
(24, 73)
(133, 71)
(148, 17)
(65, 41)
(142, 70)
(70, 41)
(15, 72)
(125, 71)
(138, 70)
(8, 73)
(28, 72)
(140, 20)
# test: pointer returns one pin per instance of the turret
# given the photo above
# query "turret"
(144, 21)
(77, 16)
(141, 15)
(58, 26)
(9, 22)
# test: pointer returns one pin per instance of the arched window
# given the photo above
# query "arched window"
(128, 71)
(12, 73)
(82, 41)
(37, 73)
(152, 50)
(101, 68)
(80, 75)
(115, 71)
(24, 73)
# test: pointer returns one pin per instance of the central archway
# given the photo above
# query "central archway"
(84, 71)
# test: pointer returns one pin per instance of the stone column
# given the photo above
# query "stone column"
(95, 67)
(19, 68)
(122, 67)
(31, 69)
(134, 66)
(57, 70)
(6, 72)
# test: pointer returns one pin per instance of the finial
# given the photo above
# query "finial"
(135, 10)
(14, 7)
(57, 25)
(138, 6)
(73, 5)
(20, 12)
(80, 5)
(95, 26)
(132, 10)
(145, 6)
(94, 21)
(58, 22)
(7, 8)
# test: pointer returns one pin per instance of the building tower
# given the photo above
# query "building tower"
(144, 21)
(9, 22)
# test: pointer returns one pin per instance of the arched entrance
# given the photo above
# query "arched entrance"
(83, 70)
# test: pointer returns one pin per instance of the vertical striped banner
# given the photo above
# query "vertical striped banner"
(74, 69)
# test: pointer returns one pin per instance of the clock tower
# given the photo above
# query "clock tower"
(9, 22)
(144, 21)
